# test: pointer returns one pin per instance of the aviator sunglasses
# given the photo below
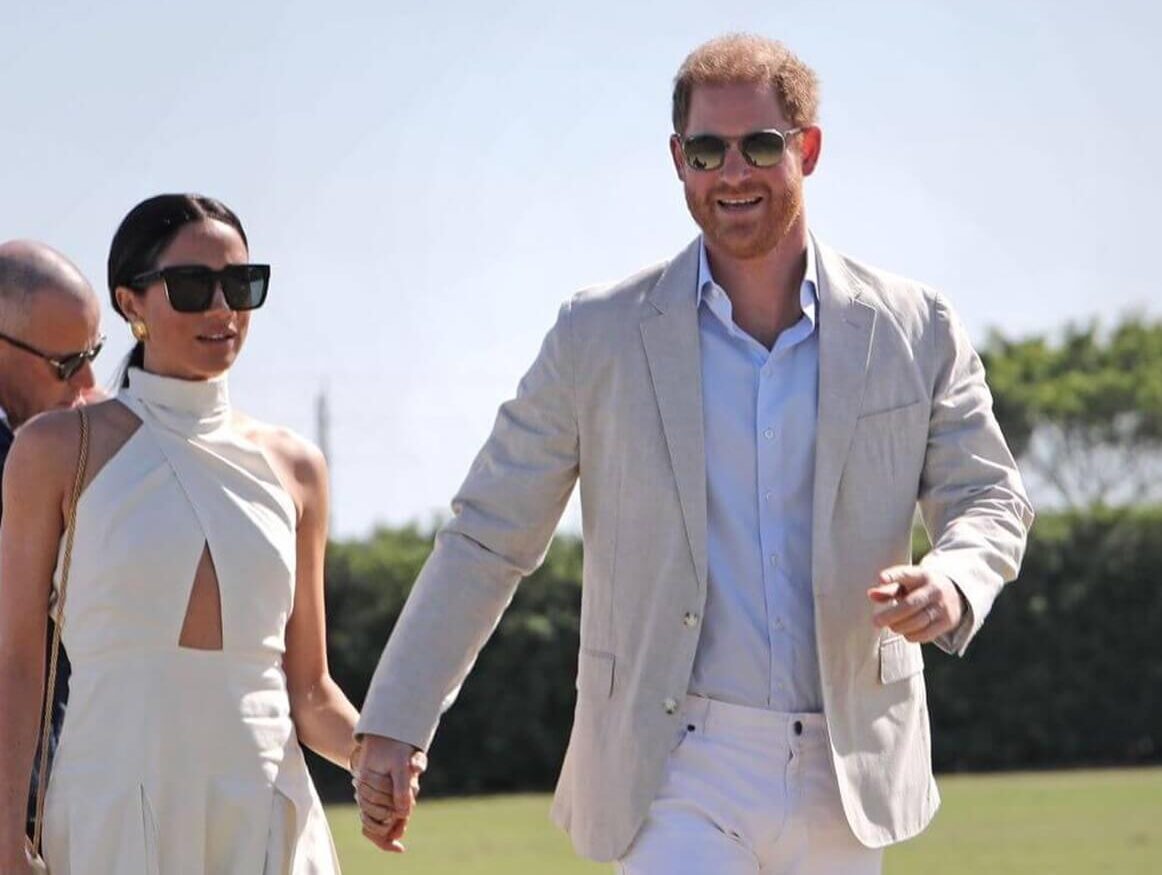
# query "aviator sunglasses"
(66, 365)
(190, 288)
(759, 149)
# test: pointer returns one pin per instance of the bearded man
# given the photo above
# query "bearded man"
(752, 424)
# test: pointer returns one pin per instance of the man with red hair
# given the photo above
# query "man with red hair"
(753, 424)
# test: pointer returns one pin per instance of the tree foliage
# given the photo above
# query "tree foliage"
(508, 728)
(1083, 412)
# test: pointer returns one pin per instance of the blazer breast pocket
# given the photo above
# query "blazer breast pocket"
(891, 443)
(888, 414)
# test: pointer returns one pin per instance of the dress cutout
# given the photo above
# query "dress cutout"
(202, 627)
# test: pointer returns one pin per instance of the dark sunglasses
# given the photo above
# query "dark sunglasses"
(66, 365)
(190, 288)
(758, 148)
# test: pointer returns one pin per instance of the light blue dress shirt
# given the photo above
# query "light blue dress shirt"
(760, 406)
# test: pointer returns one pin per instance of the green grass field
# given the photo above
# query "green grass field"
(1052, 823)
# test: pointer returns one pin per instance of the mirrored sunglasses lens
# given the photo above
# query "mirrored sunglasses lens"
(189, 292)
(705, 153)
(763, 149)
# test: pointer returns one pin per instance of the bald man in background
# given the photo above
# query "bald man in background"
(50, 322)
(49, 331)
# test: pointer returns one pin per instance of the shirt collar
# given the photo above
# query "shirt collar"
(808, 290)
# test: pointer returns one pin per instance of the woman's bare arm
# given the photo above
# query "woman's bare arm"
(323, 716)
(41, 460)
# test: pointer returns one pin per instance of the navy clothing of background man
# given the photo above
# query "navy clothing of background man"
(5, 444)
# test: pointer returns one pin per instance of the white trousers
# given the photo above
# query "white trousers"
(748, 792)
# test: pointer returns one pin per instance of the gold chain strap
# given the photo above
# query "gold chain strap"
(46, 723)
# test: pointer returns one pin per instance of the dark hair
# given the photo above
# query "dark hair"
(150, 227)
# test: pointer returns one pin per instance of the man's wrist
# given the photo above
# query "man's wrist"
(955, 639)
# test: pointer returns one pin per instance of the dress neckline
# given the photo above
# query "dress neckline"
(184, 405)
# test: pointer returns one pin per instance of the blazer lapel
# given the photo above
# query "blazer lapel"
(670, 337)
(846, 326)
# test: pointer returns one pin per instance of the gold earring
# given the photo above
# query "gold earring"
(140, 330)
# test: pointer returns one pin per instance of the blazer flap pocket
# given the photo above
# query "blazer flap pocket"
(899, 659)
(595, 673)
(888, 415)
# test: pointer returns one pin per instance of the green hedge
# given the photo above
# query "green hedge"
(1068, 667)
(1067, 670)
(508, 728)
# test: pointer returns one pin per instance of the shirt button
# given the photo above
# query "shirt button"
(670, 706)
(690, 620)
(768, 495)
(769, 433)
(774, 559)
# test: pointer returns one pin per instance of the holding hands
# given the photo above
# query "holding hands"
(916, 602)
(386, 776)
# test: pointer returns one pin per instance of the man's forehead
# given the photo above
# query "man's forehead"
(52, 310)
(746, 105)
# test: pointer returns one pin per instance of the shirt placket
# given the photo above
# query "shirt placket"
(767, 438)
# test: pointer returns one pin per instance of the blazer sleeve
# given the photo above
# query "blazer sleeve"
(971, 495)
(504, 516)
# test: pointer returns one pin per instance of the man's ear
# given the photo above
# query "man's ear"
(677, 155)
(811, 144)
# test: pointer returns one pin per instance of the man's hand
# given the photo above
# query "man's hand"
(917, 603)
(387, 781)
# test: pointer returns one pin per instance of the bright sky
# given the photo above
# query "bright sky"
(429, 181)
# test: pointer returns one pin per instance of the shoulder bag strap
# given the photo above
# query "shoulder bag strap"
(50, 686)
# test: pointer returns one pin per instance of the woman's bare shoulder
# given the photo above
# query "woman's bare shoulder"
(44, 448)
(48, 434)
(51, 440)
(289, 447)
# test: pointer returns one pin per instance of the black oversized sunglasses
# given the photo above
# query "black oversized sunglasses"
(190, 288)
(758, 148)
(66, 365)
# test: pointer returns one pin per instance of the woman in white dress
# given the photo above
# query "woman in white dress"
(194, 610)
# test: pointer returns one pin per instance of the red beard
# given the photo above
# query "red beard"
(753, 232)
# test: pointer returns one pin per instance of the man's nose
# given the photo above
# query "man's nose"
(734, 166)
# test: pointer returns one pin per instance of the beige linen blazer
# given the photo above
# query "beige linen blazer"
(614, 399)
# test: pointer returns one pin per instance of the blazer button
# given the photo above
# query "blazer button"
(670, 706)
(690, 620)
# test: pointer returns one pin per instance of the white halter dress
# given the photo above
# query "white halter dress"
(174, 761)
